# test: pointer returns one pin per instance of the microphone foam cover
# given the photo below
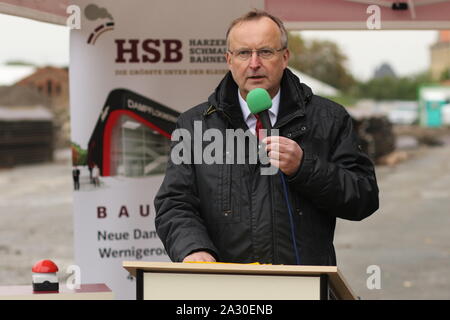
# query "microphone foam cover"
(258, 100)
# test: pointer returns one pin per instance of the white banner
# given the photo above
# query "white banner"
(134, 65)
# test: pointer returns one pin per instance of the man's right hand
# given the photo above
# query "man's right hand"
(201, 256)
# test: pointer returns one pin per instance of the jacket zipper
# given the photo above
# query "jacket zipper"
(274, 222)
(227, 193)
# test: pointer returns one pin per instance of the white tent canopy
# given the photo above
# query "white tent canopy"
(354, 14)
(51, 11)
(11, 74)
(318, 87)
(297, 14)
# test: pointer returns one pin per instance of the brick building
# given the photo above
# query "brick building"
(440, 55)
(53, 84)
(26, 135)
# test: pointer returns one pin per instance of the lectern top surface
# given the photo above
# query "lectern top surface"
(227, 267)
(336, 278)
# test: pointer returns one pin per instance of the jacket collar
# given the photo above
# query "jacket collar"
(294, 98)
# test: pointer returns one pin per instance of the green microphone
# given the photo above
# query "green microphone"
(259, 101)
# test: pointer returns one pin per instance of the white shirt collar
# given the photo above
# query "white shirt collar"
(273, 111)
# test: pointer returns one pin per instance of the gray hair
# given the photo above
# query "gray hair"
(256, 15)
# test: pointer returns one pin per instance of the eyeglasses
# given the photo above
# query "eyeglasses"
(265, 53)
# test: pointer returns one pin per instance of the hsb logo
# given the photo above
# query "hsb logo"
(148, 50)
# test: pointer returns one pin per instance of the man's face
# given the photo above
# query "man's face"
(257, 72)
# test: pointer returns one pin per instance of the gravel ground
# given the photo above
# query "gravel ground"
(35, 218)
(407, 238)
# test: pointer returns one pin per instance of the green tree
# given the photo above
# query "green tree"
(297, 48)
(19, 63)
(390, 88)
(445, 75)
(322, 60)
(79, 155)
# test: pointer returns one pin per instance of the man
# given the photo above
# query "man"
(96, 175)
(76, 178)
(232, 213)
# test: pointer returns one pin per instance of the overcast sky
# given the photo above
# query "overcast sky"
(406, 51)
(29, 40)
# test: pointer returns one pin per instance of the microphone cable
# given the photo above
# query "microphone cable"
(291, 216)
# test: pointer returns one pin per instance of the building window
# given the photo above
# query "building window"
(49, 87)
(137, 150)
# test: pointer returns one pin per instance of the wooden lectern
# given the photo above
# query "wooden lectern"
(228, 281)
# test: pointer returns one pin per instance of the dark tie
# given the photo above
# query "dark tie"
(258, 127)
